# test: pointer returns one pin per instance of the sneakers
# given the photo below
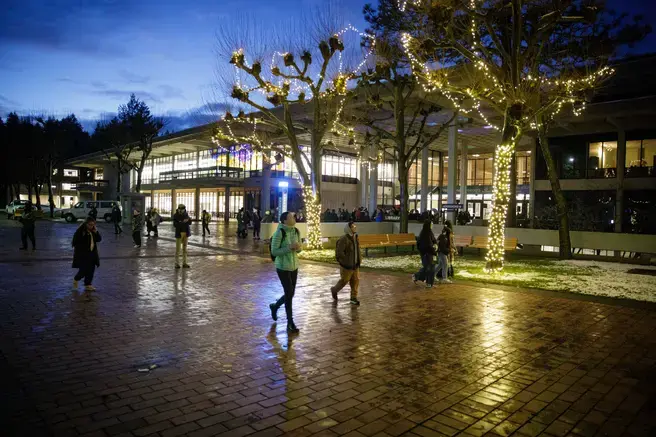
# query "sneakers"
(414, 279)
(333, 292)
(447, 281)
(274, 311)
(76, 284)
(355, 302)
(89, 288)
(429, 285)
(136, 246)
(177, 266)
(185, 266)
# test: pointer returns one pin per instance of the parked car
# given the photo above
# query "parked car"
(81, 210)
(18, 212)
(13, 206)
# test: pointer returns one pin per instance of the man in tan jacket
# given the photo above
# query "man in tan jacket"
(348, 256)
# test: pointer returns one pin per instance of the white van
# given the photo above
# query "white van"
(81, 210)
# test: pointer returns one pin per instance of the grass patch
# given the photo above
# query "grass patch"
(585, 277)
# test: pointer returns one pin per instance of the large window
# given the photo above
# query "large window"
(479, 170)
(640, 158)
(161, 165)
(186, 161)
(523, 168)
(71, 173)
(602, 159)
(208, 202)
(162, 201)
(187, 198)
(339, 166)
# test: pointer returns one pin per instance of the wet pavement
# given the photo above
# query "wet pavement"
(194, 352)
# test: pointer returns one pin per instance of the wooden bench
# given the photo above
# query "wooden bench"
(369, 241)
(480, 242)
(462, 240)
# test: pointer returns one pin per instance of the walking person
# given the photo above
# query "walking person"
(443, 252)
(137, 228)
(206, 217)
(242, 224)
(182, 224)
(116, 219)
(94, 212)
(85, 253)
(257, 224)
(149, 222)
(349, 257)
(155, 219)
(452, 245)
(426, 246)
(27, 220)
(285, 245)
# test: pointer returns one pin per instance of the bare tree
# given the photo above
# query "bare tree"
(279, 89)
(111, 138)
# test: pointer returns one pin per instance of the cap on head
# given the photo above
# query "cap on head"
(181, 206)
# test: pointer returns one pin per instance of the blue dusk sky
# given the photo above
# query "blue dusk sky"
(87, 56)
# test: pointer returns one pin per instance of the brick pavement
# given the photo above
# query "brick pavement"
(461, 359)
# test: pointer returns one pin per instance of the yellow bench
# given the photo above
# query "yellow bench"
(480, 242)
(369, 241)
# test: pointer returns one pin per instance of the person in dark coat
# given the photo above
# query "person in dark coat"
(182, 224)
(349, 257)
(85, 253)
(257, 224)
(94, 212)
(149, 221)
(116, 219)
(137, 228)
(426, 246)
(27, 220)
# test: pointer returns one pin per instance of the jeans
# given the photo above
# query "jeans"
(351, 277)
(206, 228)
(117, 228)
(288, 281)
(443, 264)
(427, 271)
(136, 237)
(86, 272)
(181, 248)
(25, 233)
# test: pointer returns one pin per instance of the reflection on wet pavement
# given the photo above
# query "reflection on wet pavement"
(457, 359)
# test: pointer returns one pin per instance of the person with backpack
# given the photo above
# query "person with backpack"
(443, 252)
(85, 253)
(116, 219)
(426, 245)
(182, 225)
(284, 249)
(205, 218)
(349, 257)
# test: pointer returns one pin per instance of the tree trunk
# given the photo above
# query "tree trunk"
(11, 192)
(17, 191)
(137, 188)
(51, 199)
(29, 190)
(501, 188)
(119, 182)
(512, 202)
(565, 243)
(403, 194)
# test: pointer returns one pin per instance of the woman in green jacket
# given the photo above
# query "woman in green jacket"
(285, 245)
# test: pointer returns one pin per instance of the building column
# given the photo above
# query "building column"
(531, 200)
(197, 203)
(174, 205)
(227, 205)
(441, 181)
(265, 197)
(364, 181)
(463, 174)
(621, 164)
(424, 180)
(373, 188)
(453, 169)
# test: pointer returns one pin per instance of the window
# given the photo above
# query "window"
(649, 153)
(523, 168)
(640, 156)
(67, 187)
(339, 166)
(71, 173)
(79, 205)
(100, 175)
(162, 201)
(92, 204)
(107, 204)
(186, 161)
(161, 165)
(187, 198)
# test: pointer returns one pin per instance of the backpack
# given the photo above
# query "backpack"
(284, 235)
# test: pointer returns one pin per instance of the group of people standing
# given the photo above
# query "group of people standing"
(245, 218)
(430, 248)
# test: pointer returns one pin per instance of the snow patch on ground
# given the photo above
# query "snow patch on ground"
(596, 278)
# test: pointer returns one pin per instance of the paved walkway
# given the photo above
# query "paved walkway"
(457, 360)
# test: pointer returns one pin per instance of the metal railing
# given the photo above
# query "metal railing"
(640, 172)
